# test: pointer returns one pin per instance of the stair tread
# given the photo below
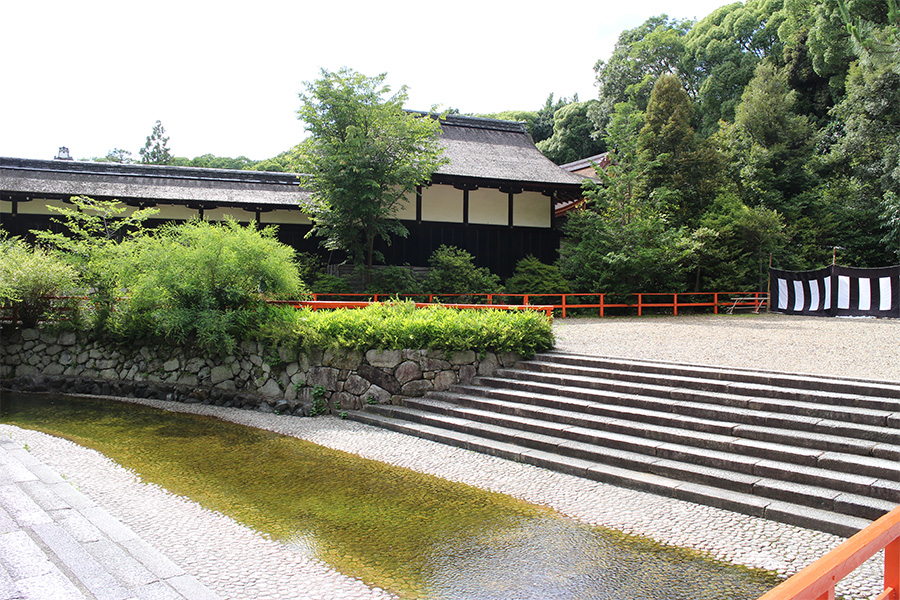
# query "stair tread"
(838, 523)
(666, 454)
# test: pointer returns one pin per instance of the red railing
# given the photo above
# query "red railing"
(629, 303)
(562, 304)
(818, 580)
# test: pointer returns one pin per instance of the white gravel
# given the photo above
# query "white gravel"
(859, 348)
(239, 563)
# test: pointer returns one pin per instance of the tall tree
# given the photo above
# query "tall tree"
(641, 56)
(364, 156)
(572, 137)
(683, 164)
(156, 150)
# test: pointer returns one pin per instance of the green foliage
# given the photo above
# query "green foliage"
(331, 284)
(453, 271)
(401, 325)
(96, 244)
(394, 280)
(364, 157)
(572, 137)
(28, 276)
(205, 281)
(680, 164)
(534, 277)
(156, 149)
(211, 161)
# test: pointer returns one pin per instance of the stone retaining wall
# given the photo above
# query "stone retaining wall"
(254, 376)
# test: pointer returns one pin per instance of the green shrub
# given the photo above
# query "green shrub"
(205, 281)
(401, 325)
(534, 277)
(331, 284)
(454, 272)
(394, 280)
(28, 276)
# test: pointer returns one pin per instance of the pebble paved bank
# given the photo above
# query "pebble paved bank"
(238, 563)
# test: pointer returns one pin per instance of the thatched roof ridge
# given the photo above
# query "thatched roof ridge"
(59, 178)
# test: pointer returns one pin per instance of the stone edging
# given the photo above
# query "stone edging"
(254, 376)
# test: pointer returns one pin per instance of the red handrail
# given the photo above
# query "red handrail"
(602, 302)
(818, 580)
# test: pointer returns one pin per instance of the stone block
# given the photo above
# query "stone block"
(323, 376)
(271, 389)
(407, 371)
(54, 369)
(416, 388)
(488, 365)
(509, 359)
(23, 370)
(66, 338)
(466, 373)
(387, 359)
(30, 334)
(380, 395)
(66, 358)
(348, 360)
(171, 365)
(188, 379)
(356, 385)
(444, 379)
(220, 373)
(462, 357)
(379, 378)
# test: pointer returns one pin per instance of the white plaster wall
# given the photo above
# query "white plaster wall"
(531, 209)
(239, 214)
(5, 207)
(442, 203)
(406, 210)
(287, 217)
(38, 207)
(488, 206)
(175, 212)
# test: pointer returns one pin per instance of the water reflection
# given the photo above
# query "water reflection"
(417, 535)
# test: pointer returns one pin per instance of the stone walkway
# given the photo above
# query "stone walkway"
(58, 544)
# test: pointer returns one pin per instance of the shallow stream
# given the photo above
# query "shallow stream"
(417, 535)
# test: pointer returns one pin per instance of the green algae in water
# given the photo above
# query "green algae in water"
(417, 535)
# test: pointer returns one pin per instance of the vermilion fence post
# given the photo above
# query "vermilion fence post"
(601, 304)
(675, 307)
(564, 306)
(640, 305)
(892, 569)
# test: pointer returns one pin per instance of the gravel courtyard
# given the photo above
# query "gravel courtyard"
(843, 347)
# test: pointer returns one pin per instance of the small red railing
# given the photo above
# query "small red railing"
(638, 303)
(561, 304)
(818, 580)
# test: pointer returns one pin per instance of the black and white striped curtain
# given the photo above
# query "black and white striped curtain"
(836, 291)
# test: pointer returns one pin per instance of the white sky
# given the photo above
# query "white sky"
(223, 77)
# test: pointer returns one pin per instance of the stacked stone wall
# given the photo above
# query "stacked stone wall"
(253, 376)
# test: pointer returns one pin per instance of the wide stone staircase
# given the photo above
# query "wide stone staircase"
(813, 451)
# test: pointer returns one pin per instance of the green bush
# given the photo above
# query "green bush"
(331, 284)
(454, 272)
(534, 277)
(205, 281)
(28, 276)
(401, 325)
(394, 280)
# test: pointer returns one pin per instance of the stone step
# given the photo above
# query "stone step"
(838, 523)
(805, 382)
(815, 434)
(728, 453)
(698, 403)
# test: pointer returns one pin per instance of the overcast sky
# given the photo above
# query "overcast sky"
(223, 77)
